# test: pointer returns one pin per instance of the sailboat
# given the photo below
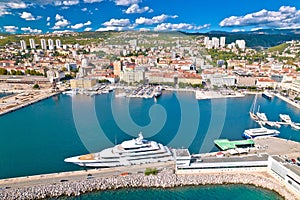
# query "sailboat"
(252, 109)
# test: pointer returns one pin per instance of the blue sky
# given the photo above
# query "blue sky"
(43, 16)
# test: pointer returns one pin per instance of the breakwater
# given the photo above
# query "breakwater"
(164, 179)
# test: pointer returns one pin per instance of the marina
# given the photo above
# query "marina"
(63, 150)
(254, 172)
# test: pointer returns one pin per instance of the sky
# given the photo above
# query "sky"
(46, 16)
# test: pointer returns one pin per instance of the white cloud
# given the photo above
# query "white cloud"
(285, 17)
(87, 29)
(3, 10)
(80, 25)
(77, 26)
(92, 1)
(58, 17)
(135, 8)
(177, 27)
(48, 24)
(126, 2)
(154, 20)
(30, 30)
(71, 3)
(16, 5)
(84, 9)
(61, 24)
(237, 30)
(144, 29)
(10, 29)
(64, 31)
(48, 19)
(27, 16)
(87, 23)
(66, 3)
(117, 23)
(113, 28)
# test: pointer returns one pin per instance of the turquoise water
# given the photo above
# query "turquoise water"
(37, 139)
(218, 192)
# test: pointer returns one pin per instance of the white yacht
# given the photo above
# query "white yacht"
(131, 152)
(261, 116)
(285, 118)
(157, 91)
(260, 132)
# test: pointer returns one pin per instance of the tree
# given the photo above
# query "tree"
(36, 86)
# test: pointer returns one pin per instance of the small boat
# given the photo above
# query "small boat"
(294, 126)
(260, 132)
(267, 95)
(285, 118)
(157, 91)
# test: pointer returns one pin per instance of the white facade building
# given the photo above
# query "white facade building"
(222, 42)
(241, 44)
(50, 44)
(43, 44)
(58, 43)
(23, 45)
(32, 43)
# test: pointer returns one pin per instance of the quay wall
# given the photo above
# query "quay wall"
(166, 178)
(27, 103)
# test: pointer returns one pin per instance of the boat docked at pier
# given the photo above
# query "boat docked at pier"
(260, 132)
(157, 91)
(267, 95)
(130, 152)
(285, 118)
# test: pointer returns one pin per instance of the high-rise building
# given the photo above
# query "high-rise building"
(222, 41)
(23, 45)
(215, 42)
(32, 43)
(43, 44)
(206, 39)
(117, 68)
(241, 44)
(50, 44)
(58, 43)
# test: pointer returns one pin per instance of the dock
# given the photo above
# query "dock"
(225, 144)
(17, 101)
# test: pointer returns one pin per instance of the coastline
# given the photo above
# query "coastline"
(39, 96)
(288, 101)
(166, 178)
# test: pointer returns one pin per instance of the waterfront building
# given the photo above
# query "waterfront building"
(55, 75)
(50, 44)
(264, 82)
(43, 44)
(117, 68)
(82, 83)
(32, 43)
(288, 172)
(131, 76)
(58, 43)
(294, 89)
(23, 45)
(221, 80)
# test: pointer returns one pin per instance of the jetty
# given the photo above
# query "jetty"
(20, 100)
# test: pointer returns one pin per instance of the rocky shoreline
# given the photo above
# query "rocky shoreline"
(164, 179)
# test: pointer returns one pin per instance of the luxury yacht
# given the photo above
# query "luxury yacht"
(131, 152)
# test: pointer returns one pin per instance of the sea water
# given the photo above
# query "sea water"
(37, 138)
(212, 192)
